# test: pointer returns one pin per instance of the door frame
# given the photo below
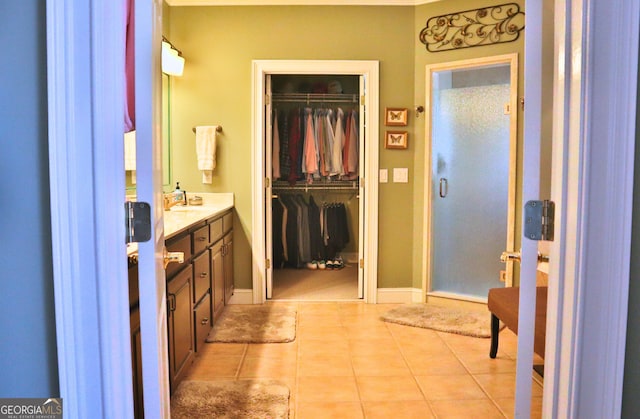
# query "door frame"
(511, 59)
(594, 135)
(368, 184)
(85, 44)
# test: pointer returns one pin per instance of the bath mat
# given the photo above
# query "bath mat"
(442, 319)
(230, 399)
(255, 324)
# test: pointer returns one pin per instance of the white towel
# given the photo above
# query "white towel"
(206, 151)
(130, 154)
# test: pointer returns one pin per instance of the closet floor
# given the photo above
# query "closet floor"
(316, 285)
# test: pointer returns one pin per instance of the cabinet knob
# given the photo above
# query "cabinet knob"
(203, 274)
(202, 238)
(204, 321)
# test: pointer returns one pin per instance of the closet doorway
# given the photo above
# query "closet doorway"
(315, 195)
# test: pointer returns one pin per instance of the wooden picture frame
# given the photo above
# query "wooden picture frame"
(395, 116)
(398, 140)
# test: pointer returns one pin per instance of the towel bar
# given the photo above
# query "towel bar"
(218, 128)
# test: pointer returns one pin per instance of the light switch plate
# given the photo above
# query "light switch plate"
(384, 176)
(401, 175)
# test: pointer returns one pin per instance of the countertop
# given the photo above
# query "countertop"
(178, 217)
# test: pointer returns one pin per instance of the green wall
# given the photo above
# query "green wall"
(219, 43)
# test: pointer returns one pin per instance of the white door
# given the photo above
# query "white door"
(153, 310)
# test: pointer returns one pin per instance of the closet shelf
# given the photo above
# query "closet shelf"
(314, 97)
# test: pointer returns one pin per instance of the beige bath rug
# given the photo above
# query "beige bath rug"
(442, 319)
(230, 399)
(255, 324)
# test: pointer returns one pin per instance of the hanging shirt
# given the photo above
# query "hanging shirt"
(285, 164)
(347, 142)
(328, 141)
(338, 143)
(319, 125)
(294, 145)
(310, 163)
(354, 150)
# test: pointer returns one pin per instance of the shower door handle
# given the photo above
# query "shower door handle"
(444, 187)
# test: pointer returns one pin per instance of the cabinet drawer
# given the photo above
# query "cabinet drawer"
(227, 221)
(181, 244)
(201, 276)
(215, 230)
(200, 239)
(202, 319)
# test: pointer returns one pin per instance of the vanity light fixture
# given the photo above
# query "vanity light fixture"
(172, 60)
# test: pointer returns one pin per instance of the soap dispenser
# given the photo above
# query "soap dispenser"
(179, 194)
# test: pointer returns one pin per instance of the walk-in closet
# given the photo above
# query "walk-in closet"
(315, 159)
(314, 152)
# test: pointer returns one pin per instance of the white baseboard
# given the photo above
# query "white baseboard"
(399, 295)
(242, 296)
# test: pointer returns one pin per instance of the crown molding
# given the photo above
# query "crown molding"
(298, 2)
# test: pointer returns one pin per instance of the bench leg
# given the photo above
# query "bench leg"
(495, 332)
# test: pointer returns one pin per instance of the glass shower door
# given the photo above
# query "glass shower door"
(470, 178)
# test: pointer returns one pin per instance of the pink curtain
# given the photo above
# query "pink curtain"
(130, 103)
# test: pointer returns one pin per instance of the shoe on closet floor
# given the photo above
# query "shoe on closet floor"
(338, 263)
(322, 265)
(330, 264)
(312, 265)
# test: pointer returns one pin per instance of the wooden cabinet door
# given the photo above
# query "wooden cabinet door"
(202, 321)
(201, 276)
(217, 278)
(228, 266)
(181, 334)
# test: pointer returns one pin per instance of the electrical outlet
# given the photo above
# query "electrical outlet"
(384, 176)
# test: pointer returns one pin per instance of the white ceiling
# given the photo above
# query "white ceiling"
(298, 2)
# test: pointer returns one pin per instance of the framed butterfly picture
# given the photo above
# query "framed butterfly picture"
(395, 116)
(396, 139)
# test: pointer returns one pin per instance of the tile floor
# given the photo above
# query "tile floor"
(347, 363)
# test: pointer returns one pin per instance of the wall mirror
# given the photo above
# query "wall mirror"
(166, 140)
(166, 131)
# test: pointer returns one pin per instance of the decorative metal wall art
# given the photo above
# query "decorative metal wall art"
(472, 28)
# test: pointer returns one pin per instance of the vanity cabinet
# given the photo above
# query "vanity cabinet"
(197, 291)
